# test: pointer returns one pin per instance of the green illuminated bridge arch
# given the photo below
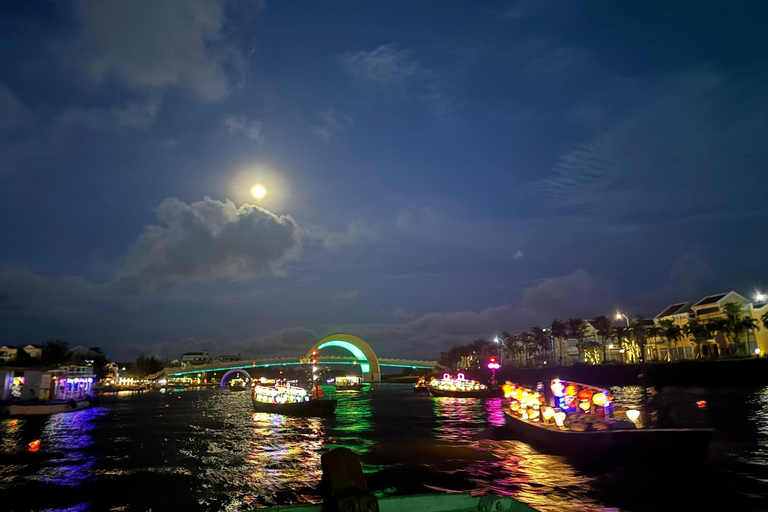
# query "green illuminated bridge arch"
(369, 363)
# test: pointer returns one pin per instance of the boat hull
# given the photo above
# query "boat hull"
(35, 408)
(420, 389)
(310, 408)
(485, 393)
(629, 445)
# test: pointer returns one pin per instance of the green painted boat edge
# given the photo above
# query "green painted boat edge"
(451, 502)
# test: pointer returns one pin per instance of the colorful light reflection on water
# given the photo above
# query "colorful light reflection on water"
(208, 451)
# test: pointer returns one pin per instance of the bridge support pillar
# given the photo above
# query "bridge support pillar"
(372, 377)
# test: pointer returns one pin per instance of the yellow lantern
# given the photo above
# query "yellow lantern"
(548, 413)
(598, 399)
(585, 406)
(560, 418)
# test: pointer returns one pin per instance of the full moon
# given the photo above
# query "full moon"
(258, 191)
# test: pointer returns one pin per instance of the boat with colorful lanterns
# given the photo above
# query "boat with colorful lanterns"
(461, 387)
(347, 382)
(291, 400)
(34, 391)
(584, 421)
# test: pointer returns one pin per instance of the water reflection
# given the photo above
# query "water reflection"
(285, 458)
(458, 419)
(66, 437)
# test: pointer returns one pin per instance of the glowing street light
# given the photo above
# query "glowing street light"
(620, 315)
(760, 297)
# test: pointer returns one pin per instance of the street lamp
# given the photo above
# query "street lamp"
(620, 315)
(760, 297)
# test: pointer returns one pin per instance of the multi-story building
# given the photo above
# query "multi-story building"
(706, 311)
(196, 357)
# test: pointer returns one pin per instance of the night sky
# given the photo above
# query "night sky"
(436, 171)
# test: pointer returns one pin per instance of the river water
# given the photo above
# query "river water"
(205, 450)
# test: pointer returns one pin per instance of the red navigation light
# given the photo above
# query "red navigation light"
(314, 352)
(701, 404)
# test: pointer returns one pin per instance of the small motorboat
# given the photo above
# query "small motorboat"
(421, 386)
(583, 421)
(291, 400)
(460, 387)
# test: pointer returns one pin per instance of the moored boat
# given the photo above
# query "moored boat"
(578, 420)
(35, 391)
(460, 387)
(38, 407)
(291, 400)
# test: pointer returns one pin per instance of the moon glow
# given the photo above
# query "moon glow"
(258, 191)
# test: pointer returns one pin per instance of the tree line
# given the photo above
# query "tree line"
(539, 345)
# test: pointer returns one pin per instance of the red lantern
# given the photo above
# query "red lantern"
(585, 394)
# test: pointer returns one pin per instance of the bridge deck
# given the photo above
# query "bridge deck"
(284, 361)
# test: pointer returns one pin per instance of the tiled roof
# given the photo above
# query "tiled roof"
(676, 309)
(710, 300)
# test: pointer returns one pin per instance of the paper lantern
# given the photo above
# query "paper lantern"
(633, 414)
(585, 394)
(548, 413)
(585, 406)
(557, 387)
(598, 399)
(560, 418)
(570, 390)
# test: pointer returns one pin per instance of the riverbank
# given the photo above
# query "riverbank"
(712, 373)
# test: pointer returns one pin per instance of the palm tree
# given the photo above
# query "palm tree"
(718, 327)
(559, 330)
(746, 325)
(654, 332)
(576, 329)
(698, 333)
(620, 334)
(764, 319)
(529, 345)
(672, 333)
(733, 315)
(640, 336)
(541, 339)
(603, 327)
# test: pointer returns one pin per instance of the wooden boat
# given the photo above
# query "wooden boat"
(42, 407)
(460, 387)
(344, 488)
(290, 401)
(582, 421)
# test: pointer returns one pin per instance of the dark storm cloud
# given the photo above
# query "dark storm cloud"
(207, 240)
(21, 288)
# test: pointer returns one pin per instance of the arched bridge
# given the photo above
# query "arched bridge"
(361, 353)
